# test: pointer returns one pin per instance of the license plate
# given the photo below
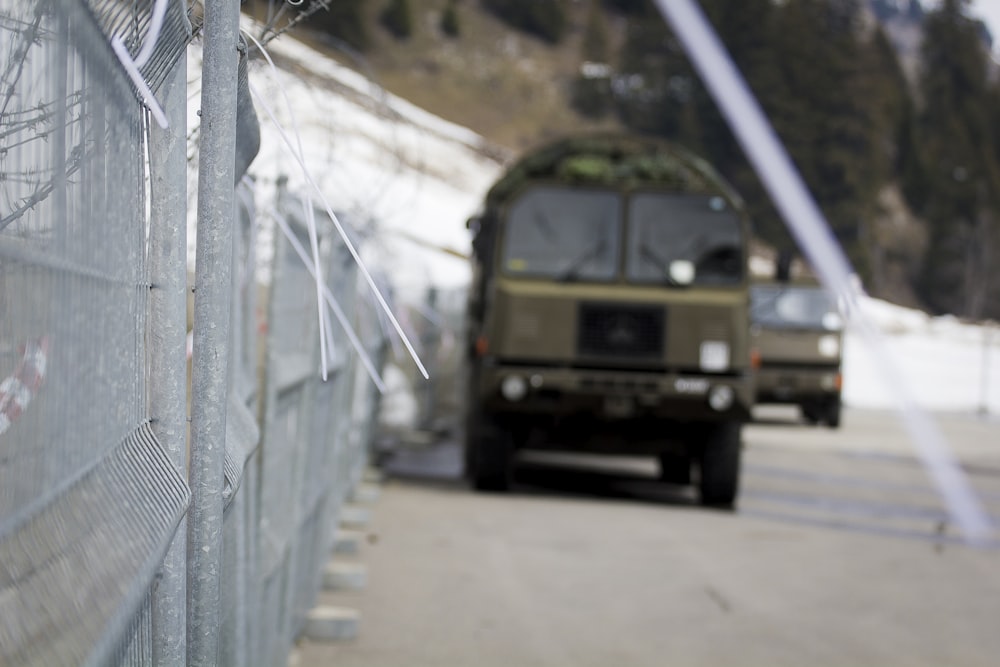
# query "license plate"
(619, 406)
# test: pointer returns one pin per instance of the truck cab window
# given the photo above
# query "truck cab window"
(664, 228)
(563, 234)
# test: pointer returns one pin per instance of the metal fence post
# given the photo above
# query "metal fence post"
(59, 79)
(167, 326)
(431, 340)
(210, 363)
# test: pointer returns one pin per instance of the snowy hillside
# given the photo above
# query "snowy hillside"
(394, 168)
(380, 162)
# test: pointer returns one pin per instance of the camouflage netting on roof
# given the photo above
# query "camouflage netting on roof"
(619, 161)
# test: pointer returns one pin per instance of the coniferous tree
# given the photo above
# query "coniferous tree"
(893, 102)
(627, 6)
(654, 81)
(825, 115)
(595, 35)
(960, 169)
(449, 19)
(343, 20)
(745, 29)
(544, 18)
(885, 87)
(591, 89)
(991, 300)
(396, 18)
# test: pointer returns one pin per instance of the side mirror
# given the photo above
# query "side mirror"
(783, 271)
(681, 272)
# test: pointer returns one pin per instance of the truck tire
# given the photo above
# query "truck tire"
(489, 454)
(719, 466)
(812, 412)
(675, 468)
(832, 413)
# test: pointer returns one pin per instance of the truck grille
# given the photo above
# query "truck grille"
(611, 330)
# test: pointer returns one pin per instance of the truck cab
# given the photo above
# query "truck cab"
(798, 332)
(609, 313)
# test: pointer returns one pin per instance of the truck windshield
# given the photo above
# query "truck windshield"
(667, 228)
(564, 234)
(791, 307)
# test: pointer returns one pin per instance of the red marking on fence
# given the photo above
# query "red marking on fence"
(18, 389)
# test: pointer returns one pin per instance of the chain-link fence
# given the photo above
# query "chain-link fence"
(110, 552)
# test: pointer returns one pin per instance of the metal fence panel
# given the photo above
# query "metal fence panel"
(240, 568)
(292, 335)
(90, 501)
(79, 467)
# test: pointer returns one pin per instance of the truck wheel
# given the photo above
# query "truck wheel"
(493, 458)
(812, 412)
(675, 468)
(832, 417)
(489, 454)
(719, 466)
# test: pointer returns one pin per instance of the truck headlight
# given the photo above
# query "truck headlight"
(833, 322)
(721, 398)
(513, 388)
(829, 346)
(714, 355)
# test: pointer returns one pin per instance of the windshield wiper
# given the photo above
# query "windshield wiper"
(581, 261)
(544, 225)
(767, 303)
(723, 259)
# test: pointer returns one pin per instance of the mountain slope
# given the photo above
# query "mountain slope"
(510, 87)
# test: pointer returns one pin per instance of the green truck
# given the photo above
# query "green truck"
(609, 313)
(798, 333)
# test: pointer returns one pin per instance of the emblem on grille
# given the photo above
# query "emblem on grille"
(620, 330)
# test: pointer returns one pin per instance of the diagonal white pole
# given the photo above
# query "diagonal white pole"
(343, 234)
(332, 302)
(324, 339)
(812, 233)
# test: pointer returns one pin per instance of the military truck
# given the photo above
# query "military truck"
(797, 330)
(608, 313)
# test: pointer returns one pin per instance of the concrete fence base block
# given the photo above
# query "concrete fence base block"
(344, 576)
(348, 542)
(354, 517)
(365, 494)
(327, 623)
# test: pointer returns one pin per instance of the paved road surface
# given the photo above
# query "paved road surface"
(839, 554)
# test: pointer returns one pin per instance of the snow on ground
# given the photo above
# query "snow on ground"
(384, 161)
(944, 363)
(376, 157)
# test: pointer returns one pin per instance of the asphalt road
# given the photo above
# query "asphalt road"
(839, 553)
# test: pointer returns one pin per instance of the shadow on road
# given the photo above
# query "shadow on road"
(778, 415)
(549, 479)
(440, 466)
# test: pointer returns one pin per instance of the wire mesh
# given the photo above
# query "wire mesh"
(79, 467)
(132, 22)
(239, 566)
(89, 500)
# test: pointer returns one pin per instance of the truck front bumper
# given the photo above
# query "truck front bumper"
(616, 394)
(797, 385)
